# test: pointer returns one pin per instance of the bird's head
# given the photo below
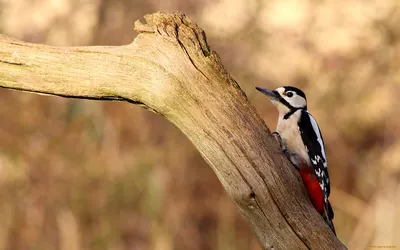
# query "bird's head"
(286, 98)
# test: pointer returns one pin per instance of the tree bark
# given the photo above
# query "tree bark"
(170, 69)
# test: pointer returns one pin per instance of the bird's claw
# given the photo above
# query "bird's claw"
(293, 158)
(278, 138)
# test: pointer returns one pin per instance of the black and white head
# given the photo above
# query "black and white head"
(287, 99)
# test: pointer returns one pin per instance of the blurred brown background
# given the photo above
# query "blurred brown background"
(91, 175)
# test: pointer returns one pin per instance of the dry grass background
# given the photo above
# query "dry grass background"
(77, 175)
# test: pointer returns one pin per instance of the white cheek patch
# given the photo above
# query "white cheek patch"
(289, 100)
(296, 100)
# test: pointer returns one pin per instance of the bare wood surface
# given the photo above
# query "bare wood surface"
(170, 69)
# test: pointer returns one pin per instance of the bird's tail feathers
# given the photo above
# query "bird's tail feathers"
(328, 216)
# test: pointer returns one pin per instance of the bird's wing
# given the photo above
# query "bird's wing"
(312, 139)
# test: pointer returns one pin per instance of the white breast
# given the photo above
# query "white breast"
(291, 138)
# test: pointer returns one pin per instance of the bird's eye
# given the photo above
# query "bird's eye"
(289, 94)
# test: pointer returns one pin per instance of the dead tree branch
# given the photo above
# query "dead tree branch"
(170, 69)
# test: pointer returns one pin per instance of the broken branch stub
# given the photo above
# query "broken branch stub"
(170, 69)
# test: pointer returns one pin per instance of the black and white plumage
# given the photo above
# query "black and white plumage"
(314, 144)
(302, 138)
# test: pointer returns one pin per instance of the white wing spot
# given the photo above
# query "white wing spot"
(318, 172)
(322, 185)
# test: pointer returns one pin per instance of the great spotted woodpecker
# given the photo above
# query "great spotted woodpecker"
(302, 142)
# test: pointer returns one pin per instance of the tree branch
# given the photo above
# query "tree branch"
(170, 69)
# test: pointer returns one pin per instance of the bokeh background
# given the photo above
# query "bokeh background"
(92, 175)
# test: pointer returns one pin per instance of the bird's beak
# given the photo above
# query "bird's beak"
(272, 94)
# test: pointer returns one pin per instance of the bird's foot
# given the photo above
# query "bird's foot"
(295, 159)
(278, 138)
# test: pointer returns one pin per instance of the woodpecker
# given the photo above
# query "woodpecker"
(301, 141)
